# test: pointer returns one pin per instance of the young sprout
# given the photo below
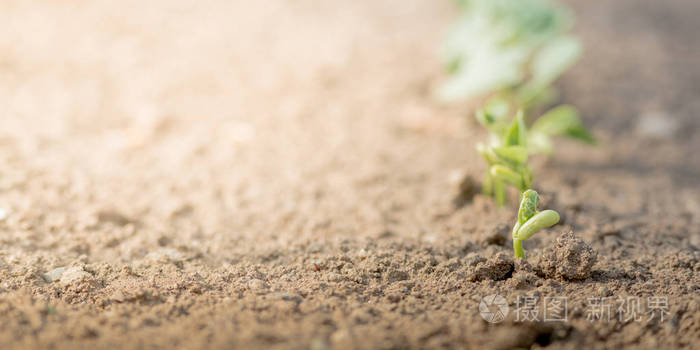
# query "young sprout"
(530, 221)
(507, 153)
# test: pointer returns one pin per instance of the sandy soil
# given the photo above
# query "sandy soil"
(226, 174)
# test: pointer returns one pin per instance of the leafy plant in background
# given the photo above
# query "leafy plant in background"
(530, 221)
(514, 50)
(514, 47)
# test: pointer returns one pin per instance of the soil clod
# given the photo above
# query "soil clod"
(498, 267)
(569, 258)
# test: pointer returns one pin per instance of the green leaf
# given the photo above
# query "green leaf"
(504, 174)
(562, 120)
(487, 153)
(528, 206)
(580, 133)
(517, 133)
(557, 120)
(515, 154)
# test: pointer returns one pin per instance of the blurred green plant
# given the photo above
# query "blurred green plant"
(506, 154)
(511, 143)
(516, 48)
(530, 221)
(513, 50)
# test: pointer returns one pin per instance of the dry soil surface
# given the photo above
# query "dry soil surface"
(276, 174)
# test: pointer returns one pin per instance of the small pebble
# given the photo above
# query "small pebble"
(54, 275)
(257, 285)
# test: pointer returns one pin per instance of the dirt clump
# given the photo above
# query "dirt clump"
(523, 275)
(569, 258)
(498, 267)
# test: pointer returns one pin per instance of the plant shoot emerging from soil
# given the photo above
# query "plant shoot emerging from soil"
(530, 221)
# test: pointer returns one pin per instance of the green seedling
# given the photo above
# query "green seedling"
(506, 155)
(516, 48)
(512, 50)
(511, 143)
(530, 221)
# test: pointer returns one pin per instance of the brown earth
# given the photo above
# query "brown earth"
(243, 175)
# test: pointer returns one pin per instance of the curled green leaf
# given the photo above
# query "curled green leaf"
(528, 206)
